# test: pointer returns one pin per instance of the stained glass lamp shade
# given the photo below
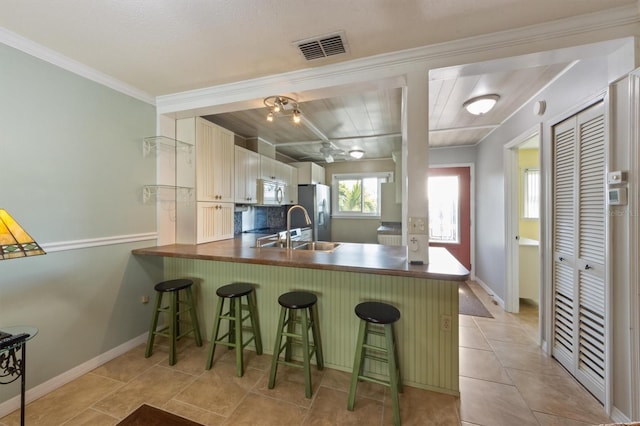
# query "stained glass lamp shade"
(14, 241)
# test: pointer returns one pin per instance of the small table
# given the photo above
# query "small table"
(12, 340)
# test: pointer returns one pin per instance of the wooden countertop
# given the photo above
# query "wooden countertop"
(349, 257)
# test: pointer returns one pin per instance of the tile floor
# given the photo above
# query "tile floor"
(504, 380)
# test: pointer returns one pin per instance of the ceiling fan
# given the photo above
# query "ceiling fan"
(329, 153)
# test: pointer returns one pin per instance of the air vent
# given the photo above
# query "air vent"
(322, 46)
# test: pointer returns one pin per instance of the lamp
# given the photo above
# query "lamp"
(481, 104)
(14, 241)
(356, 153)
(282, 105)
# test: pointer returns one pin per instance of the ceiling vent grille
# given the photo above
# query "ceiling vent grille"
(322, 46)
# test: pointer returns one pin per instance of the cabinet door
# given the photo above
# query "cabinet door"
(214, 162)
(267, 168)
(205, 153)
(292, 186)
(215, 221)
(223, 165)
(247, 168)
(317, 174)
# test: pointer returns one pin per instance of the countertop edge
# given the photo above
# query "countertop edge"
(440, 259)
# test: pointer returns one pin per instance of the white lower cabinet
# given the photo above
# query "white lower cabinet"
(214, 221)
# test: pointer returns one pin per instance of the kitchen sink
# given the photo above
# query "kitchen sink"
(325, 246)
(317, 246)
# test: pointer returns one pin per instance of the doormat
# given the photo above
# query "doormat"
(469, 302)
(146, 415)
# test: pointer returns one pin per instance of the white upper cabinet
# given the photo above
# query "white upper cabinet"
(247, 171)
(268, 168)
(310, 173)
(215, 151)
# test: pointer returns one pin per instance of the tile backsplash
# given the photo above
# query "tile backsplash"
(260, 217)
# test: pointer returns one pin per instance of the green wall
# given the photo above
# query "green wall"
(72, 169)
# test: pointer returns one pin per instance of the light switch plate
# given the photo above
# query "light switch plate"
(417, 225)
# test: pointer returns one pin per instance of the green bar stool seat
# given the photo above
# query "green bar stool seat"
(377, 319)
(234, 293)
(175, 310)
(293, 305)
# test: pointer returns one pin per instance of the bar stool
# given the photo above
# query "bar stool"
(234, 293)
(373, 314)
(174, 309)
(291, 304)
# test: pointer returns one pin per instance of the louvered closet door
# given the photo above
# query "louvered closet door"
(579, 247)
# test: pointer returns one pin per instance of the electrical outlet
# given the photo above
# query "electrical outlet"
(144, 299)
(445, 323)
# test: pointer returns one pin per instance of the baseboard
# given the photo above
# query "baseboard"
(490, 292)
(42, 389)
(618, 416)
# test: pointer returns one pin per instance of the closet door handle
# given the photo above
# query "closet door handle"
(561, 259)
(587, 267)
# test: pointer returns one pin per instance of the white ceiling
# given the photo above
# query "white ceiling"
(166, 46)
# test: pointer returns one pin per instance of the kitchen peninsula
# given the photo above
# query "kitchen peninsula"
(426, 295)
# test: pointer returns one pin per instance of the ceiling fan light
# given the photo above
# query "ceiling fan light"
(296, 116)
(356, 153)
(270, 117)
(481, 104)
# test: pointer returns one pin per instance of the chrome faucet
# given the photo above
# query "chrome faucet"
(306, 218)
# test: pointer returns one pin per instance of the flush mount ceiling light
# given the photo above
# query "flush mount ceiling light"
(481, 104)
(282, 106)
(356, 153)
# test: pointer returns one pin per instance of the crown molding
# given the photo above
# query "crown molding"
(612, 21)
(36, 50)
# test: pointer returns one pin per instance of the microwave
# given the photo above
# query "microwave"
(270, 192)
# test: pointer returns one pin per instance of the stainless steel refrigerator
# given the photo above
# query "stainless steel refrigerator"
(316, 199)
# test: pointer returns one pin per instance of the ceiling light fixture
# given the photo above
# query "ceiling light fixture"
(282, 105)
(481, 104)
(356, 153)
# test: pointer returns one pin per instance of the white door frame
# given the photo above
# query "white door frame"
(634, 243)
(472, 215)
(512, 218)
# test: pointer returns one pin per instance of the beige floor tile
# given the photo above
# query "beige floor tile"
(482, 365)
(493, 404)
(261, 410)
(289, 385)
(341, 380)
(65, 402)
(155, 386)
(472, 338)
(92, 417)
(466, 321)
(194, 413)
(250, 358)
(219, 390)
(330, 408)
(505, 332)
(557, 395)
(550, 420)
(526, 357)
(422, 407)
(129, 365)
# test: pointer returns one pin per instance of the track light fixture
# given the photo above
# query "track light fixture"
(282, 105)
